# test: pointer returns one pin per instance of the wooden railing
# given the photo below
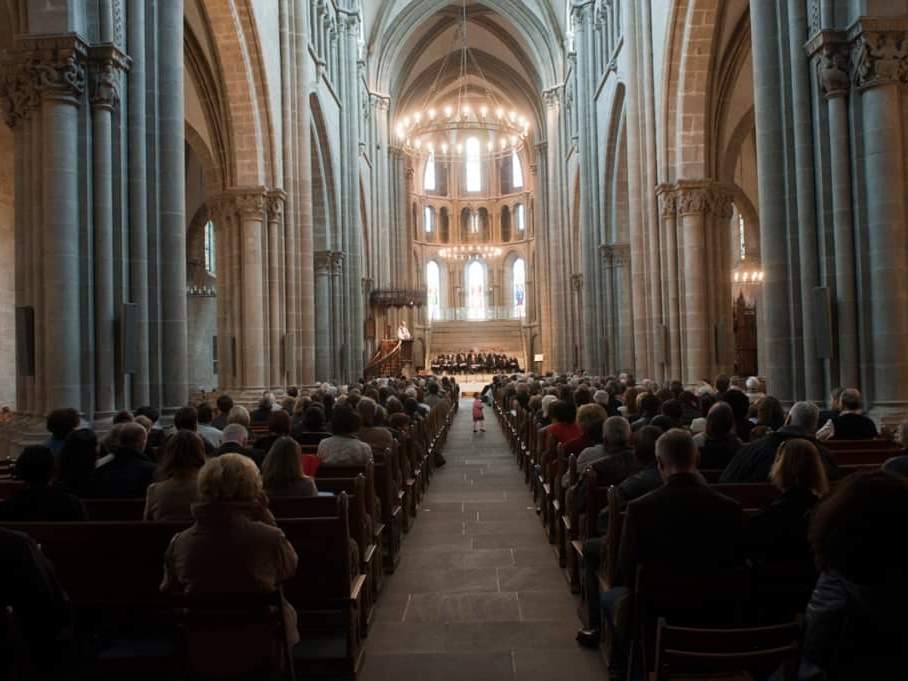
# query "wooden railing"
(388, 351)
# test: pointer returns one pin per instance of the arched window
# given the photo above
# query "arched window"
(476, 291)
(428, 219)
(433, 289)
(742, 243)
(473, 165)
(520, 218)
(474, 222)
(209, 247)
(516, 171)
(519, 294)
(428, 178)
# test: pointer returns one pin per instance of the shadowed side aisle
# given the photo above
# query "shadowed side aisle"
(478, 594)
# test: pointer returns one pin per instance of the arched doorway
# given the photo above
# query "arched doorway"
(433, 290)
(475, 286)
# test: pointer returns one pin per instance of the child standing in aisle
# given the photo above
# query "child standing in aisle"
(478, 418)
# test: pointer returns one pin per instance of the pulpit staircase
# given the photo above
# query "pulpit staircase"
(388, 360)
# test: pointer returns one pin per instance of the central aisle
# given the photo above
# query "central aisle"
(478, 594)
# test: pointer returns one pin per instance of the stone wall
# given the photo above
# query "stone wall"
(7, 271)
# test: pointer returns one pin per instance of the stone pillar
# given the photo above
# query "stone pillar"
(251, 209)
(668, 206)
(693, 206)
(835, 85)
(322, 268)
(59, 72)
(880, 61)
(621, 257)
(775, 334)
(172, 202)
(339, 331)
(276, 296)
(104, 99)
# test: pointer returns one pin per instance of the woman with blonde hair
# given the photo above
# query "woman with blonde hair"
(239, 414)
(234, 546)
(282, 471)
(779, 531)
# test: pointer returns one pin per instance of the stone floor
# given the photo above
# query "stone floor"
(478, 594)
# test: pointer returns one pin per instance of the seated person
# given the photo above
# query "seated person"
(77, 462)
(899, 464)
(187, 418)
(753, 462)
(769, 414)
(236, 438)
(278, 427)
(684, 524)
(60, 423)
(312, 429)
(616, 442)
(282, 471)
(234, 546)
(855, 620)
(371, 431)
(590, 418)
(262, 413)
(779, 531)
(129, 472)
(719, 444)
(40, 500)
(225, 404)
(205, 428)
(851, 423)
(173, 496)
(344, 448)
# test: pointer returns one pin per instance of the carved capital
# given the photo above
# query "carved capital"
(250, 204)
(107, 63)
(577, 281)
(552, 97)
(693, 200)
(880, 57)
(833, 71)
(337, 262)
(668, 201)
(721, 204)
(321, 260)
(275, 205)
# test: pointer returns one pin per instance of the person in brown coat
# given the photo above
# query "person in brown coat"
(234, 544)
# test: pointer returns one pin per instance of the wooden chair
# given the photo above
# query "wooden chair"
(761, 650)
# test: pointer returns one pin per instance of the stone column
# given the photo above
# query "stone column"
(253, 340)
(693, 206)
(58, 68)
(880, 63)
(104, 99)
(322, 268)
(172, 202)
(341, 335)
(276, 296)
(835, 84)
(621, 257)
(776, 334)
(668, 207)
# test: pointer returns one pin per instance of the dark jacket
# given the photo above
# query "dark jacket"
(854, 427)
(632, 487)
(256, 455)
(779, 531)
(47, 503)
(753, 462)
(126, 476)
(613, 468)
(683, 522)
(854, 631)
(715, 453)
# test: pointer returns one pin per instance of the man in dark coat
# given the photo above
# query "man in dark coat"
(753, 462)
(128, 474)
(850, 423)
(235, 439)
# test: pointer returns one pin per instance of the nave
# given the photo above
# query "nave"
(478, 593)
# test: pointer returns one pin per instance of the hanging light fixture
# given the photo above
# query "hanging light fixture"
(442, 129)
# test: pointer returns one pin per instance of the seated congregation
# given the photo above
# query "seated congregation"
(231, 544)
(714, 530)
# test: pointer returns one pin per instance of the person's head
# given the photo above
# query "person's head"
(78, 457)
(739, 403)
(225, 404)
(344, 421)
(293, 392)
(648, 404)
(267, 402)
(804, 415)
(239, 414)
(851, 400)
(204, 413)
(662, 422)
(149, 412)
(563, 412)
(132, 436)
(645, 444)
(582, 396)
(676, 453)
(186, 418)
(314, 419)
(547, 402)
(235, 433)
(723, 383)
(707, 400)
(616, 432)
(35, 466)
(144, 421)
(184, 454)
(433, 388)
(61, 422)
(855, 531)
(122, 417)
(630, 399)
(283, 464)
(798, 465)
(720, 421)
(770, 413)
(676, 388)
(752, 385)
(368, 411)
(590, 418)
(279, 423)
(399, 421)
(230, 478)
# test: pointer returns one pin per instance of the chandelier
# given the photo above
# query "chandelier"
(470, 252)
(472, 124)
